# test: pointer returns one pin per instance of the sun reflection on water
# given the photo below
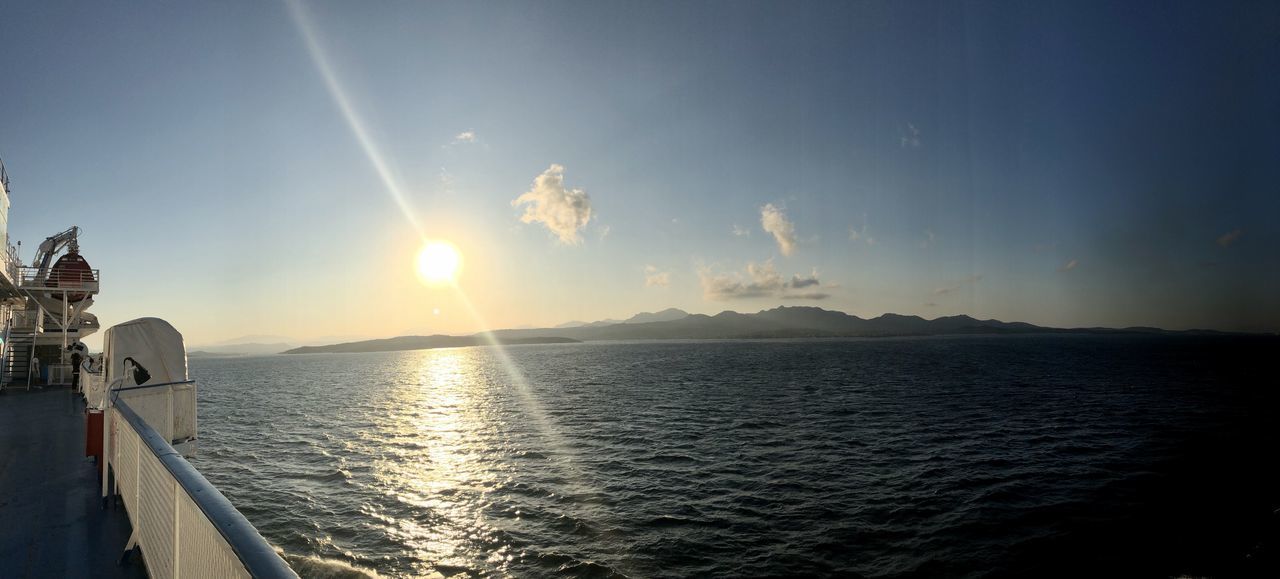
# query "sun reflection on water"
(434, 463)
(434, 430)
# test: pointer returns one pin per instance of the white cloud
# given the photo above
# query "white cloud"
(1226, 239)
(729, 287)
(563, 211)
(764, 275)
(740, 231)
(774, 221)
(798, 282)
(446, 182)
(465, 137)
(1069, 265)
(910, 137)
(860, 235)
(654, 277)
(762, 280)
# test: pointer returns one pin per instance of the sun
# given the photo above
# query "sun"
(439, 263)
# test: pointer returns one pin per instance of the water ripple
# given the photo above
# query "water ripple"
(911, 457)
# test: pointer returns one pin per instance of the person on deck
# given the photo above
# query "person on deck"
(77, 355)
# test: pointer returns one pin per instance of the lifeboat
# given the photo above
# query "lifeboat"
(71, 271)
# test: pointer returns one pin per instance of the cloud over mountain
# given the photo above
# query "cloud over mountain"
(654, 277)
(563, 211)
(798, 282)
(775, 221)
(761, 280)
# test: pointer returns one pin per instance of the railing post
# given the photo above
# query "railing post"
(177, 532)
(137, 484)
(218, 532)
(62, 355)
(168, 400)
(106, 447)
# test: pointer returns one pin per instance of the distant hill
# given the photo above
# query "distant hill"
(262, 345)
(423, 343)
(781, 322)
(256, 339)
(248, 349)
(794, 322)
(667, 315)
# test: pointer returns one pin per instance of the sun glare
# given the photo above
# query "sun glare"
(439, 262)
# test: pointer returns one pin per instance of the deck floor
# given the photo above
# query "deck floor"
(52, 523)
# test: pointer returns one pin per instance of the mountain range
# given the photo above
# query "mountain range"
(788, 322)
(423, 343)
(781, 322)
(667, 315)
(260, 345)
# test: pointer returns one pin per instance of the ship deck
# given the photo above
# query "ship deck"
(52, 523)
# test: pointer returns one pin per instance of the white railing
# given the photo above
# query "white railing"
(169, 407)
(182, 524)
(11, 261)
(59, 374)
(94, 388)
(31, 320)
(51, 279)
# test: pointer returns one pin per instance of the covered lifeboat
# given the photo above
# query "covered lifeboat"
(70, 272)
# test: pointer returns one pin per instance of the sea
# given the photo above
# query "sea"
(973, 456)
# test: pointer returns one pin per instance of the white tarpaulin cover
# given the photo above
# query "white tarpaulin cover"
(147, 352)
(144, 351)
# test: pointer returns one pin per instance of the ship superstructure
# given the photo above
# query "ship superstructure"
(44, 305)
(139, 508)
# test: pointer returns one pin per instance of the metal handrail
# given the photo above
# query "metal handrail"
(29, 274)
(11, 261)
(144, 386)
(254, 552)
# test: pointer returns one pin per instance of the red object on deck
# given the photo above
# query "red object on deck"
(93, 435)
(71, 271)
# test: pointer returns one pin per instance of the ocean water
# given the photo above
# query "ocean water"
(964, 456)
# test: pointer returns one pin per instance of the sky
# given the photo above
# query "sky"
(273, 168)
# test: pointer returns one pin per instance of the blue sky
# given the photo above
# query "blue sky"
(1061, 163)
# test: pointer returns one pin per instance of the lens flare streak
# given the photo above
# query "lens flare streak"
(533, 407)
(356, 124)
